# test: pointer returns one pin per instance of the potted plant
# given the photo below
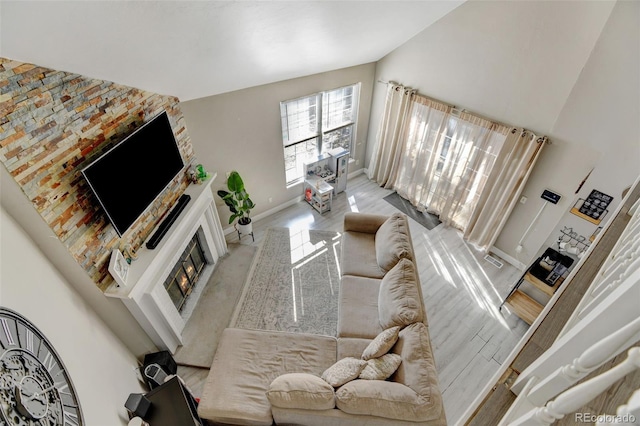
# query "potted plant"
(238, 202)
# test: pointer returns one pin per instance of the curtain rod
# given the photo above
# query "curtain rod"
(454, 108)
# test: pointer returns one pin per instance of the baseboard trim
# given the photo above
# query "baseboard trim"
(512, 260)
(230, 229)
(354, 174)
(269, 212)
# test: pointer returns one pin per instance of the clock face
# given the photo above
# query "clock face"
(35, 387)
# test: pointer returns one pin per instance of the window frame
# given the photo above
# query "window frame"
(321, 130)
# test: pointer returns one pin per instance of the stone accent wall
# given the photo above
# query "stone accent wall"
(53, 124)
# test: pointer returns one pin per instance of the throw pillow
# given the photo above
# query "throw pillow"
(388, 400)
(301, 390)
(393, 242)
(418, 368)
(381, 344)
(343, 371)
(381, 368)
(399, 298)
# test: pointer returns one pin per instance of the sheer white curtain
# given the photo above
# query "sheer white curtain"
(448, 162)
(466, 169)
(389, 147)
(513, 166)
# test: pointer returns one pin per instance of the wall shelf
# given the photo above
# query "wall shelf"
(594, 208)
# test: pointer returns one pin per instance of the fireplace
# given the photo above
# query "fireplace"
(186, 273)
(188, 253)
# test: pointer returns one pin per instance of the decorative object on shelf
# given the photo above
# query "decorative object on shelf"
(192, 174)
(129, 254)
(570, 242)
(198, 174)
(594, 208)
(239, 203)
(595, 233)
(201, 173)
(119, 267)
(36, 387)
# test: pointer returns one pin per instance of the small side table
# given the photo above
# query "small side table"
(545, 280)
(319, 194)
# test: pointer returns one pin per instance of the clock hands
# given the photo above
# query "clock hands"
(38, 394)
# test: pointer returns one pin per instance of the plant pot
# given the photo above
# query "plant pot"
(244, 229)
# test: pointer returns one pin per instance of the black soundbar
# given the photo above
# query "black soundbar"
(168, 221)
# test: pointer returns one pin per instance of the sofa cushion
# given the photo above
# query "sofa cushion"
(247, 361)
(383, 399)
(358, 255)
(343, 371)
(399, 301)
(358, 307)
(381, 344)
(351, 346)
(393, 242)
(418, 369)
(381, 368)
(363, 222)
(301, 390)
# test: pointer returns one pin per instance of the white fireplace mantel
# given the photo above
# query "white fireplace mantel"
(144, 294)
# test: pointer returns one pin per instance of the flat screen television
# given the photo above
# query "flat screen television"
(128, 177)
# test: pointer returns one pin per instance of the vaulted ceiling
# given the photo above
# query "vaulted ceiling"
(193, 49)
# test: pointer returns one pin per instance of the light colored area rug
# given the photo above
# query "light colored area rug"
(215, 307)
(294, 283)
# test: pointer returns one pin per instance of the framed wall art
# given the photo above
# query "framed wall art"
(593, 208)
(118, 267)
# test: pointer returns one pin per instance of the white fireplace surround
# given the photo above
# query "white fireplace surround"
(145, 295)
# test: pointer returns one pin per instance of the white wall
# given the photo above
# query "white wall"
(609, 125)
(522, 63)
(112, 311)
(100, 366)
(242, 131)
(600, 116)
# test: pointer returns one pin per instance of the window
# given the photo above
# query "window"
(315, 124)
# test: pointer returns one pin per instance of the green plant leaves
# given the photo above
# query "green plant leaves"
(235, 183)
(237, 199)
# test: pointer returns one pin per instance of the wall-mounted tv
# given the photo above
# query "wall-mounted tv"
(128, 178)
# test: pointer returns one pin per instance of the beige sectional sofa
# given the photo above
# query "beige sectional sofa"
(265, 377)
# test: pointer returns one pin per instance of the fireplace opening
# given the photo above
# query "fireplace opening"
(186, 273)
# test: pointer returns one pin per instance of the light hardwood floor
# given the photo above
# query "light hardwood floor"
(462, 291)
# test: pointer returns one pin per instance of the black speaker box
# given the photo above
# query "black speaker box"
(138, 404)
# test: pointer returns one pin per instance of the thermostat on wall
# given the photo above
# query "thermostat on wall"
(550, 196)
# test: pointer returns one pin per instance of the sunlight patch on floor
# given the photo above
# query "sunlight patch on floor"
(300, 223)
(301, 245)
(438, 263)
(352, 203)
(304, 251)
(465, 272)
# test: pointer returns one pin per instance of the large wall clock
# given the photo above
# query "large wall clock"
(35, 387)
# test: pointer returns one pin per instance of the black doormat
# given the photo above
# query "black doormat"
(427, 220)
